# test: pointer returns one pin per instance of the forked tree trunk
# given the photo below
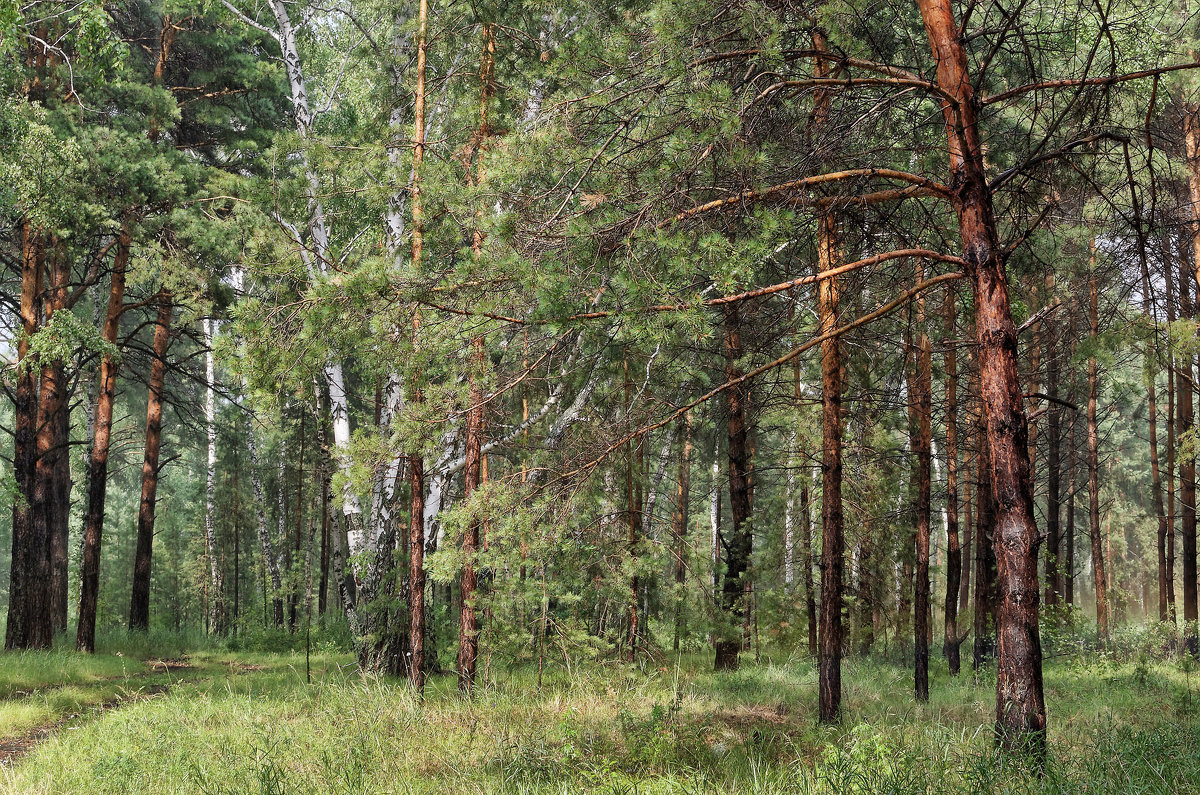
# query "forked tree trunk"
(93, 524)
(1093, 441)
(1020, 705)
(139, 603)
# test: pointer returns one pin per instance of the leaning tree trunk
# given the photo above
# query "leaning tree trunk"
(1093, 441)
(738, 546)
(1020, 705)
(139, 603)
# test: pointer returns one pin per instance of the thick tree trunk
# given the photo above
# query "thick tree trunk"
(139, 603)
(954, 556)
(25, 443)
(1020, 706)
(738, 544)
(93, 526)
(45, 591)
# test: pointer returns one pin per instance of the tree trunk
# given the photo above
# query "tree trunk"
(1152, 369)
(1093, 440)
(683, 496)
(21, 583)
(468, 628)
(954, 556)
(1187, 463)
(832, 534)
(738, 545)
(922, 400)
(1020, 706)
(217, 588)
(93, 529)
(1054, 583)
(1168, 279)
(139, 603)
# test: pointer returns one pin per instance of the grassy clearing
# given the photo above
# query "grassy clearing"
(250, 724)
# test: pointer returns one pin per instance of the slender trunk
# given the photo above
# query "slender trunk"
(1151, 375)
(923, 402)
(832, 534)
(738, 545)
(964, 586)
(954, 557)
(1093, 440)
(1187, 463)
(468, 628)
(1020, 706)
(139, 603)
(1054, 581)
(217, 589)
(985, 556)
(683, 496)
(1168, 279)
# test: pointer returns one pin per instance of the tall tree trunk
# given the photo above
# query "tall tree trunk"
(216, 586)
(1020, 705)
(468, 629)
(1169, 280)
(922, 399)
(1093, 440)
(954, 556)
(24, 441)
(985, 556)
(738, 545)
(139, 603)
(93, 529)
(45, 592)
(1054, 582)
(1187, 464)
(832, 533)
(1151, 375)
(683, 495)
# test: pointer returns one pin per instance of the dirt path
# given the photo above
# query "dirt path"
(12, 749)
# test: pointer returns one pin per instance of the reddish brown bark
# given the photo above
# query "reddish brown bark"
(93, 525)
(1020, 706)
(922, 400)
(139, 602)
(832, 533)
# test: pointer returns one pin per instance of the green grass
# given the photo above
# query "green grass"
(248, 723)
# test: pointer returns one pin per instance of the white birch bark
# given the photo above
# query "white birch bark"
(215, 598)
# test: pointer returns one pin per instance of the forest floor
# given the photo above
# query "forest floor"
(224, 722)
